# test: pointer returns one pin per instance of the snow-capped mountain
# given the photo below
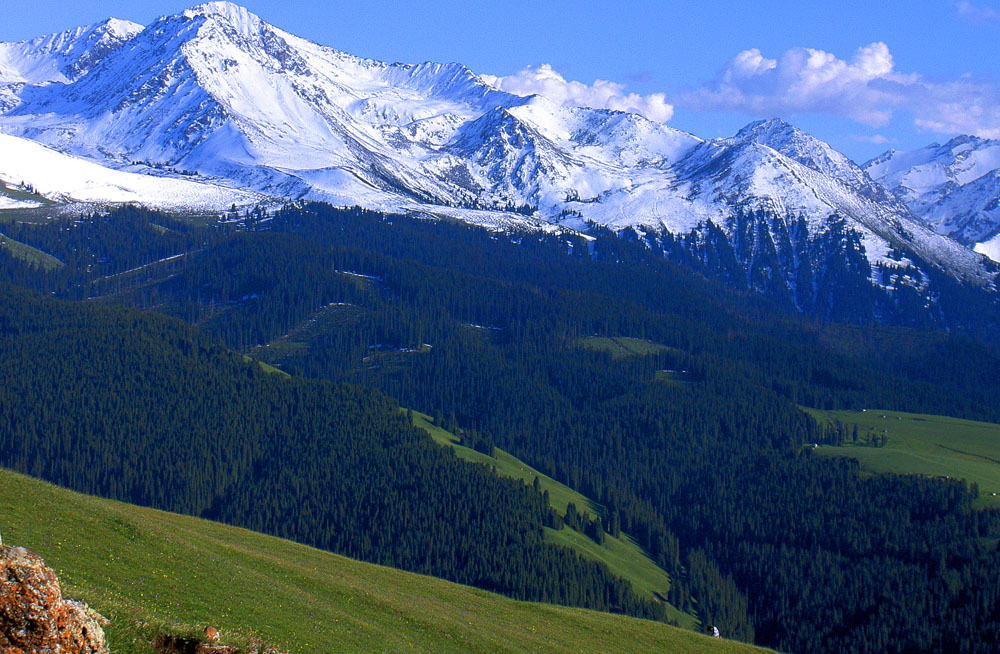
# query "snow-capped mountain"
(58, 58)
(954, 187)
(771, 166)
(216, 95)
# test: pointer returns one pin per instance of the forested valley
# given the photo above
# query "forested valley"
(694, 445)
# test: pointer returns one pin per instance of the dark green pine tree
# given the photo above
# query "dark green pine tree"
(572, 520)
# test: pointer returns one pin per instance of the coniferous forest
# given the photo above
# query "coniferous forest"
(125, 376)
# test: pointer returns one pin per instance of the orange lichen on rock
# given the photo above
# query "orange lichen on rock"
(34, 617)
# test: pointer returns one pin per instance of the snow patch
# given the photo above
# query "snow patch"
(60, 177)
(11, 203)
(990, 248)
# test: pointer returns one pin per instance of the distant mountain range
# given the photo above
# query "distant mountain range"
(213, 107)
(954, 188)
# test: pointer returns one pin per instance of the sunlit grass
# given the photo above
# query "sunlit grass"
(922, 444)
(150, 571)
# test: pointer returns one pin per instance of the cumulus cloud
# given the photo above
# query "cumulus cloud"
(547, 82)
(976, 14)
(865, 88)
(803, 80)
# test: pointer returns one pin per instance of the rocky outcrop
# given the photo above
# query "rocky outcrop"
(170, 644)
(34, 617)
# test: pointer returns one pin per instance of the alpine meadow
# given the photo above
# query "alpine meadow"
(311, 352)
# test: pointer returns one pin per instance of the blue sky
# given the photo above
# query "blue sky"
(864, 76)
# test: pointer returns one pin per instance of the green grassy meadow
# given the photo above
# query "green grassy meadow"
(266, 367)
(924, 445)
(620, 347)
(623, 556)
(506, 465)
(674, 377)
(150, 571)
(29, 254)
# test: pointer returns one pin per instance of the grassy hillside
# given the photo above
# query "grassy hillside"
(624, 347)
(267, 367)
(621, 347)
(148, 571)
(623, 556)
(506, 465)
(32, 256)
(922, 444)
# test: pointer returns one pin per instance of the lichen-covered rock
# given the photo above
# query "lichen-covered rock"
(34, 617)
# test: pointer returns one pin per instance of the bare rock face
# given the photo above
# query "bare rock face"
(34, 617)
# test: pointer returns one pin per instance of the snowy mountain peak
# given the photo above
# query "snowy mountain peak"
(791, 142)
(878, 160)
(964, 142)
(105, 31)
(814, 154)
(954, 187)
(65, 56)
(765, 132)
(116, 28)
(232, 13)
(217, 95)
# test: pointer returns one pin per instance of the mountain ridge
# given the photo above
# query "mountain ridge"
(953, 187)
(218, 95)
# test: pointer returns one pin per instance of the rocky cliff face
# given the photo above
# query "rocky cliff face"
(35, 618)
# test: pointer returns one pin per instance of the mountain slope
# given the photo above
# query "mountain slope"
(621, 553)
(58, 58)
(772, 166)
(700, 467)
(150, 571)
(141, 408)
(217, 91)
(954, 187)
(809, 177)
(57, 177)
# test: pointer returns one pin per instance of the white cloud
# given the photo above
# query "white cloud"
(964, 105)
(602, 94)
(876, 139)
(976, 14)
(866, 89)
(802, 80)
